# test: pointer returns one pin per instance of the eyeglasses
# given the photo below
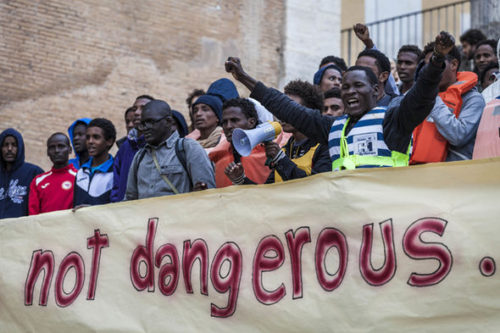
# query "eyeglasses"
(148, 123)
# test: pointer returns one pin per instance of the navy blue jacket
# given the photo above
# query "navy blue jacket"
(121, 165)
(93, 185)
(288, 170)
(15, 184)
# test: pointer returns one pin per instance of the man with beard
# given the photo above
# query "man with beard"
(15, 175)
(469, 40)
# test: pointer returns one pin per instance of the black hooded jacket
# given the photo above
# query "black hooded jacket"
(15, 184)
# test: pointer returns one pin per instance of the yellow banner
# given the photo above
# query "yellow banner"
(394, 249)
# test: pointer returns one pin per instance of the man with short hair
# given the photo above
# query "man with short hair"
(367, 136)
(123, 158)
(363, 34)
(94, 180)
(469, 40)
(484, 54)
(53, 190)
(129, 124)
(381, 67)
(167, 165)
(450, 132)
(77, 134)
(139, 103)
(333, 105)
(230, 167)
(15, 175)
(407, 61)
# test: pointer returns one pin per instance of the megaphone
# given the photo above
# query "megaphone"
(245, 140)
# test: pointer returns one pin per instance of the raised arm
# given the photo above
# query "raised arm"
(363, 34)
(308, 121)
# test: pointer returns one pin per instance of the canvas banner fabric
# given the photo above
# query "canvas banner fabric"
(395, 249)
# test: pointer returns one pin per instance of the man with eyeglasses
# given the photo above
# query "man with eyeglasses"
(167, 165)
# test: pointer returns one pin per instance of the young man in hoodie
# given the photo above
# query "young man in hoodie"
(15, 175)
(94, 180)
(77, 134)
(53, 190)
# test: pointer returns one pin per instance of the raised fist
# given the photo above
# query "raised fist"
(444, 43)
(233, 66)
(361, 31)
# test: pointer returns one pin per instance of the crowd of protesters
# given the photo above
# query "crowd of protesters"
(427, 110)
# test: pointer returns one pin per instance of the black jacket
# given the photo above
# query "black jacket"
(287, 169)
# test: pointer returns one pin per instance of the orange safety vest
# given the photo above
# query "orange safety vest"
(254, 164)
(428, 144)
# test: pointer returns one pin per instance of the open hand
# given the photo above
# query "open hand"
(444, 43)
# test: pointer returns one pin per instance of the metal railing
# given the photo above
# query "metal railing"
(416, 28)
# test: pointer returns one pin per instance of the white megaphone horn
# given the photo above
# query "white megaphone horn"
(245, 140)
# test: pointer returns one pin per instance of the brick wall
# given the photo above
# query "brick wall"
(60, 60)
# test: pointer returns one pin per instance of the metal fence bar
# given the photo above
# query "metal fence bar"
(415, 29)
(454, 18)
(349, 45)
(385, 31)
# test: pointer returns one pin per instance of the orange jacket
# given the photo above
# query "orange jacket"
(428, 144)
(254, 166)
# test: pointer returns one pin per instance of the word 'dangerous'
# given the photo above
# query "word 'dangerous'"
(270, 255)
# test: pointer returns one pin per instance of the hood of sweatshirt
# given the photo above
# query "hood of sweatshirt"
(20, 147)
(84, 121)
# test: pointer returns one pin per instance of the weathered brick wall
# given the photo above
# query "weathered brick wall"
(60, 60)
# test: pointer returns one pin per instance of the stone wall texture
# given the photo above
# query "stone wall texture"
(61, 60)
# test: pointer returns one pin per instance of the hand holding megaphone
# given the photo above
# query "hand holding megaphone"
(245, 140)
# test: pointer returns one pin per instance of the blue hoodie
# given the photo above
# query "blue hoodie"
(15, 184)
(76, 161)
